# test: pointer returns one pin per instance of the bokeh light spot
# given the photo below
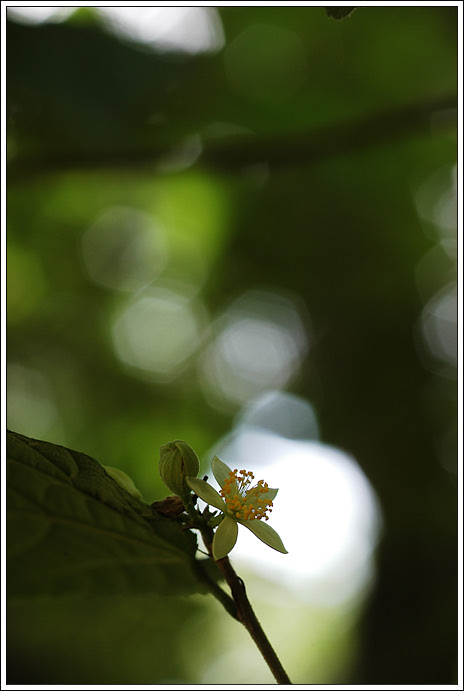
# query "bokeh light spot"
(282, 413)
(326, 511)
(38, 14)
(180, 29)
(260, 342)
(189, 30)
(124, 249)
(439, 325)
(436, 201)
(158, 331)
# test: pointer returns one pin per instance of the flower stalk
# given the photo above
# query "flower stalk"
(245, 612)
(239, 503)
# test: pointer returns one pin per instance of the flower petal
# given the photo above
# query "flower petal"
(221, 471)
(251, 496)
(225, 537)
(270, 495)
(206, 492)
(265, 533)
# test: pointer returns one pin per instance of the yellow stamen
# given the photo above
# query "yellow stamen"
(243, 502)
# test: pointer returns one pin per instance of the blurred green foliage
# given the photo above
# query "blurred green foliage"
(293, 160)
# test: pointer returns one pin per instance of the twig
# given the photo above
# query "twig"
(226, 601)
(245, 613)
(241, 608)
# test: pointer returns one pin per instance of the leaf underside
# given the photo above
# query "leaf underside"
(72, 529)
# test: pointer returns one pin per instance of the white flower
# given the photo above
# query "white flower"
(239, 503)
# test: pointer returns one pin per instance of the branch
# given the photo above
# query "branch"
(226, 601)
(245, 613)
(241, 151)
(332, 140)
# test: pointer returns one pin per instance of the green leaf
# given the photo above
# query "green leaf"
(123, 481)
(265, 533)
(72, 529)
(338, 12)
(206, 492)
(225, 537)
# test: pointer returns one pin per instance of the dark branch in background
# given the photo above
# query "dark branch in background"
(345, 138)
(241, 151)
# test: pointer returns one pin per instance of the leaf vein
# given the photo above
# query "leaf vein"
(155, 544)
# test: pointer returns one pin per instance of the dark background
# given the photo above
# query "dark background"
(309, 158)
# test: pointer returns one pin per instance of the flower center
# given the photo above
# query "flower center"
(245, 502)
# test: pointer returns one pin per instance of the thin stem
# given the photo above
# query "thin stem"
(245, 613)
(187, 501)
(226, 601)
(239, 607)
(251, 622)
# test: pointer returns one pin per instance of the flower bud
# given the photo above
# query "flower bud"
(177, 461)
